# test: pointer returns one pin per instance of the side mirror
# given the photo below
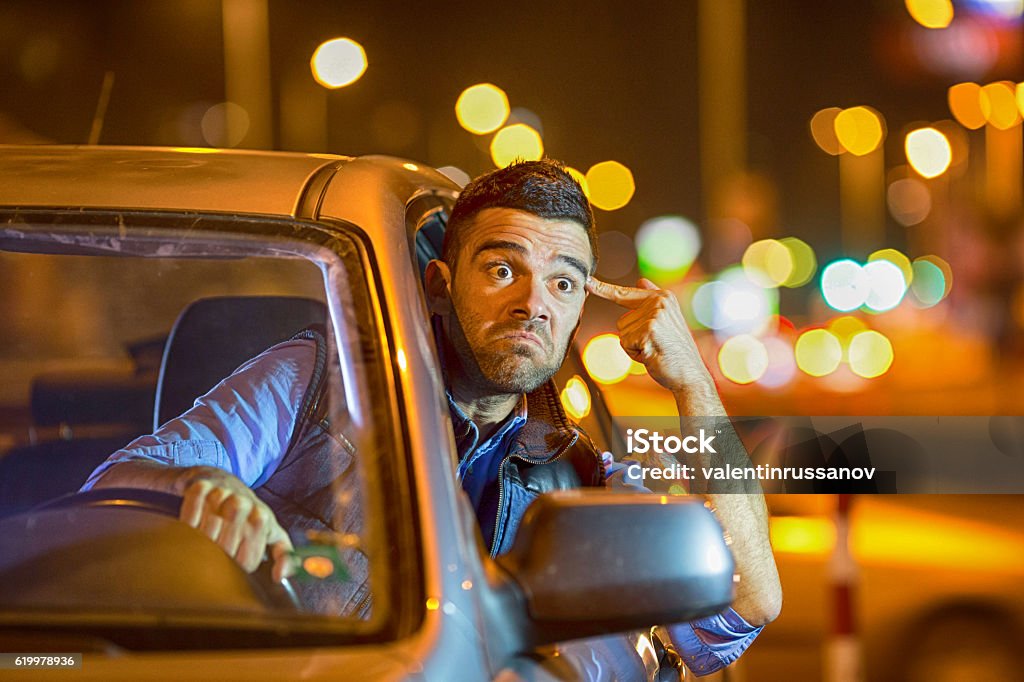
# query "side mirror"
(588, 563)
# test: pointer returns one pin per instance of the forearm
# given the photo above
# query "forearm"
(738, 505)
(153, 476)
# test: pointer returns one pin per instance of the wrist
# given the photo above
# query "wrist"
(699, 399)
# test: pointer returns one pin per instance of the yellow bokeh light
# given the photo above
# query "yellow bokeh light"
(576, 398)
(767, 263)
(823, 130)
(965, 105)
(518, 141)
(1020, 97)
(818, 352)
(482, 108)
(805, 264)
(433, 603)
(845, 328)
(611, 185)
(928, 152)
(870, 354)
(931, 13)
(999, 104)
(338, 62)
(605, 359)
(579, 177)
(743, 359)
(802, 535)
(859, 129)
(318, 566)
(896, 258)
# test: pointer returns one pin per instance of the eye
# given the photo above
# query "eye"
(565, 285)
(501, 271)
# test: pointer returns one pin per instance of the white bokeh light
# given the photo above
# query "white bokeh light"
(845, 286)
(886, 284)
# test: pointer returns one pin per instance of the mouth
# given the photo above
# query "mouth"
(525, 337)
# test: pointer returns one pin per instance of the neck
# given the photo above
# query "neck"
(474, 395)
(486, 410)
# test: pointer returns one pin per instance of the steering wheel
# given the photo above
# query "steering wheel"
(279, 595)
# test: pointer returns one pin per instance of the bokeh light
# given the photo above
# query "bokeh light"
(929, 285)
(897, 258)
(611, 185)
(1020, 97)
(931, 13)
(999, 104)
(605, 359)
(767, 263)
(845, 327)
(703, 302)
(742, 307)
(732, 304)
(818, 352)
(844, 285)
(824, 132)
(517, 141)
(225, 124)
(482, 108)
(805, 264)
(860, 130)
(965, 105)
(909, 201)
(338, 62)
(743, 359)
(524, 115)
(1009, 10)
(579, 177)
(576, 398)
(886, 284)
(870, 354)
(666, 247)
(947, 271)
(781, 363)
(928, 152)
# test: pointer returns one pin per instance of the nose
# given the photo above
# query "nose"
(529, 301)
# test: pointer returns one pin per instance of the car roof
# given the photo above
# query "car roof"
(190, 180)
(175, 179)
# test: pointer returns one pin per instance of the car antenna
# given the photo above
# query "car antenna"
(101, 108)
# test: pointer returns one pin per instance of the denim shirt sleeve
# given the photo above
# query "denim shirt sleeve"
(242, 425)
(707, 644)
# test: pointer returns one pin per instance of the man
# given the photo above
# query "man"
(507, 296)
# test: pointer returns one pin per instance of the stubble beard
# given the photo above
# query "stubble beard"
(511, 372)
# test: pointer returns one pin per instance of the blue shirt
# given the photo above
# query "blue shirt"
(244, 425)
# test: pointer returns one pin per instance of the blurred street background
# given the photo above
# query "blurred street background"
(832, 189)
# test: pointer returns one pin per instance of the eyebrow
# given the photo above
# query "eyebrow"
(502, 244)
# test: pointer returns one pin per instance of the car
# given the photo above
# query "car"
(133, 280)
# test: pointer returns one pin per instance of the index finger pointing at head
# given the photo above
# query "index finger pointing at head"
(629, 297)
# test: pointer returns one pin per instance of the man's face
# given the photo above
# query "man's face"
(517, 294)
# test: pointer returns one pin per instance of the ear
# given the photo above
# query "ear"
(437, 279)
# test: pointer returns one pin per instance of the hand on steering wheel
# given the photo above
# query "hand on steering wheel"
(229, 513)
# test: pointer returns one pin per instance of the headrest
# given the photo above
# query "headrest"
(214, 336)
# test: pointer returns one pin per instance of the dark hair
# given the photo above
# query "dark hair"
(543, 188)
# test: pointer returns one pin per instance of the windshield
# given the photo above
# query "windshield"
(183, 350)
